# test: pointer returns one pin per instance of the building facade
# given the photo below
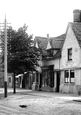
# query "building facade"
(61, 60)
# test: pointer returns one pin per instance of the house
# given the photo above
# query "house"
(24, 80)
(71, 57)
(48, 78)
(60, 60)
(9, 79)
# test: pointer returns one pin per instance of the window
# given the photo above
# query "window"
(69, 54)
(71, 76)
(67, 76)
(9, 79)
(48, 77)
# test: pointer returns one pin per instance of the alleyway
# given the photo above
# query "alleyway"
(27, 102)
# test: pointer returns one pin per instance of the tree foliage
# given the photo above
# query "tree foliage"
(22, 55)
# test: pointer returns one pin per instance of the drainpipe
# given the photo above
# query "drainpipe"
(59, 65)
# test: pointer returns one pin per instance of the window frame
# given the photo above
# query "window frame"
(69, 54)
(72, 76)
(66, 77)
(9, 79)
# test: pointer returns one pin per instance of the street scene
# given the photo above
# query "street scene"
(40, 57)
(28, 102)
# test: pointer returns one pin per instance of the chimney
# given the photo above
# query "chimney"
(77, 15)
(47, 35)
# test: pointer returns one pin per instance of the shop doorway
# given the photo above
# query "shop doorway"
(40, 81)
(58, 81)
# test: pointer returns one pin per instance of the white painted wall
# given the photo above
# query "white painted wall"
(70, 42)
(55, 62)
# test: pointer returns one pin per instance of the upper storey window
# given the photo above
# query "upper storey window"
(69, 54)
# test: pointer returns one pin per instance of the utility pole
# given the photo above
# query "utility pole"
(5, 57)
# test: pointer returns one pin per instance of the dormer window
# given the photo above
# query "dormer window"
(69, 54)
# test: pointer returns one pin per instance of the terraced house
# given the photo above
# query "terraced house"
(60, 62)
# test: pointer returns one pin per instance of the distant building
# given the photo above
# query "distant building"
(9, 79)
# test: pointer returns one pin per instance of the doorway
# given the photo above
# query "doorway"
(58, 81)
(40, 85)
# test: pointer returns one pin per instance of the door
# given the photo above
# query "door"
(40, 81)
(58, 81)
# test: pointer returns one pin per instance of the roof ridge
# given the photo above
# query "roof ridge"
(76, 27)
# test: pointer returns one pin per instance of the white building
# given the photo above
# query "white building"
(61, 59)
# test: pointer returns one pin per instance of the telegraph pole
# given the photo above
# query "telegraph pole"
(5, 59)
(5, 56)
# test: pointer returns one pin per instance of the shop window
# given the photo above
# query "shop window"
(69, 54)
(48, 77)
(9, 79)
(72, 76)
(66, 76)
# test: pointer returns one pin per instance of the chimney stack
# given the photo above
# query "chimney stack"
(77, 15)
(47, 35)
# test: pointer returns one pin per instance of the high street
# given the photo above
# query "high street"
(27, 102)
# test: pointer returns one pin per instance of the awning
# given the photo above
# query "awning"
(19, 75)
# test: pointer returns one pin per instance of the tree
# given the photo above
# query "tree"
(22, 55)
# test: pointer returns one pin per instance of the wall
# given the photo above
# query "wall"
(55, 62)
(70, 42)
(10, 79)
(69, 87)
(9, 75)
(1, 79)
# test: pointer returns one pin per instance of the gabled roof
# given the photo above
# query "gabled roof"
(55, 42)
(76, 27)
(42, 42)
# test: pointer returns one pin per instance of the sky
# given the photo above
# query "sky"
(41, 16)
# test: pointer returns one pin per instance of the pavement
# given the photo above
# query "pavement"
(41, 93)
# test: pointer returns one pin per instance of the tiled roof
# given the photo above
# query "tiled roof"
(76, 27)
(42, 42)
(55, 42)
(56, 56)
(58, 42)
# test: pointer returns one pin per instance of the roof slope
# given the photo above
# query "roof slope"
(55, 42)
(42, 42)
(58, 41)
(76, 27)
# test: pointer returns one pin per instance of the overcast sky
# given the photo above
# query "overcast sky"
(41, 16)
